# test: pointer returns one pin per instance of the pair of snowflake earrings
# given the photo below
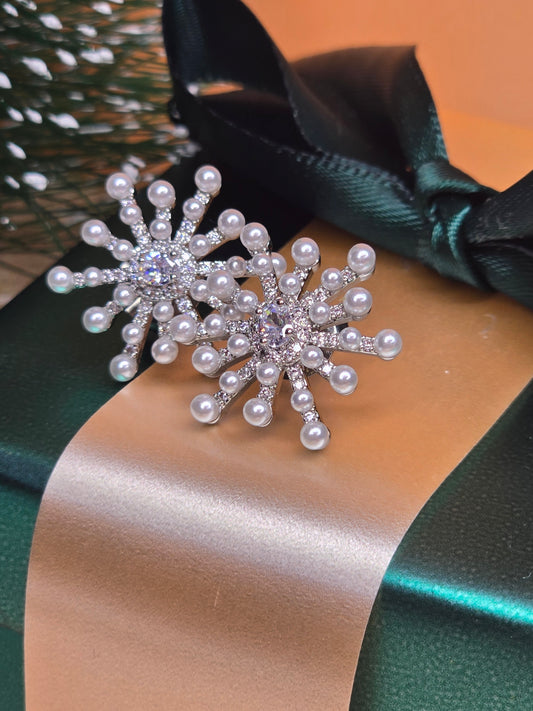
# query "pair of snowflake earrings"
(288, 332)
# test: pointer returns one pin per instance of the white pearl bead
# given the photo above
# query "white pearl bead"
(60, 280)
(96, 319)
(314, 435)
(215, 325)
(331, 279)
(205, 408)
(230, 312)
(193, 209)
(199, 290)
(246, 301)
(261, 264)
(388, 344)
(132, 334)
(160, 229)
(199, 246)
(206, 360)
(208, 179)
(279, 263)
(163, 311)
(230, 223)
(311, 357)
(119, 186)
(95, 233)
(183, 328)
(302, 400)
(237, 266)
(343, 379)
(161, 194)
(124, 294)
(221, 284)
(289, 284)
(254, 237)
(319, 313)
(164, 350)
(267, 373)
(357, 302)
(122, 367)
(350, 339)
(130, 214)
(257, 412)
(238, 345)
(362, 259)
(93, 276)
(123, 250)
(229, 382)
(305, 252)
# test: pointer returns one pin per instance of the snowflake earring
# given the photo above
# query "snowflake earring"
(289, 332)
(157, 277)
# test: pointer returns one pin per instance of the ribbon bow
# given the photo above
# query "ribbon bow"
(354, 137)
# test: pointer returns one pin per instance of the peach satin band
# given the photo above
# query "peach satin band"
(181, 566)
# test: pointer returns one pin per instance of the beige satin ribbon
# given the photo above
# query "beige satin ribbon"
(180, 566)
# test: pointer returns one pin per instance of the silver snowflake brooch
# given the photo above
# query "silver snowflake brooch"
(161, 277)
(290, 332)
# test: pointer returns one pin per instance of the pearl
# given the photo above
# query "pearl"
(119, 186)
(388, 344)
(164, 350)
(130, 214)
(267, 373)
(257, 412)
(124, 294)
(93, 276)
(60, 280)
(229, 382)
(357, 302)
(362, 259)
(246, 301)
(161, 194)
(314, 435)
(163, 311)
(279, 263)
(199, 290)
(350, 339)
(302, 400)
(289, 284)
(311, 357)
(122, 367)
(319, 313)
(254, 237)
(199, 246)
(95, 233)
(261, 264)
(208, 179)
(205, 408)
(96, 319)
(183, 328)
(215, 325)
(230, 312)
(237, 266)
(221, 284)
(193, 209)
(123, 250)
(206, 360)
(305, 252)
(343, 379)
(230, 223)
(331, 279)
(238, 345)
(160, 229)
(132, 334)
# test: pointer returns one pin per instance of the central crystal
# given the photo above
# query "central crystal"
(271, 325)
(155, 268)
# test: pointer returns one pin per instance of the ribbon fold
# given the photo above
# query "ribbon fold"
(352, 136)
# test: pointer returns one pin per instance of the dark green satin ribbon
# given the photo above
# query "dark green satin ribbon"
(352, 136)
